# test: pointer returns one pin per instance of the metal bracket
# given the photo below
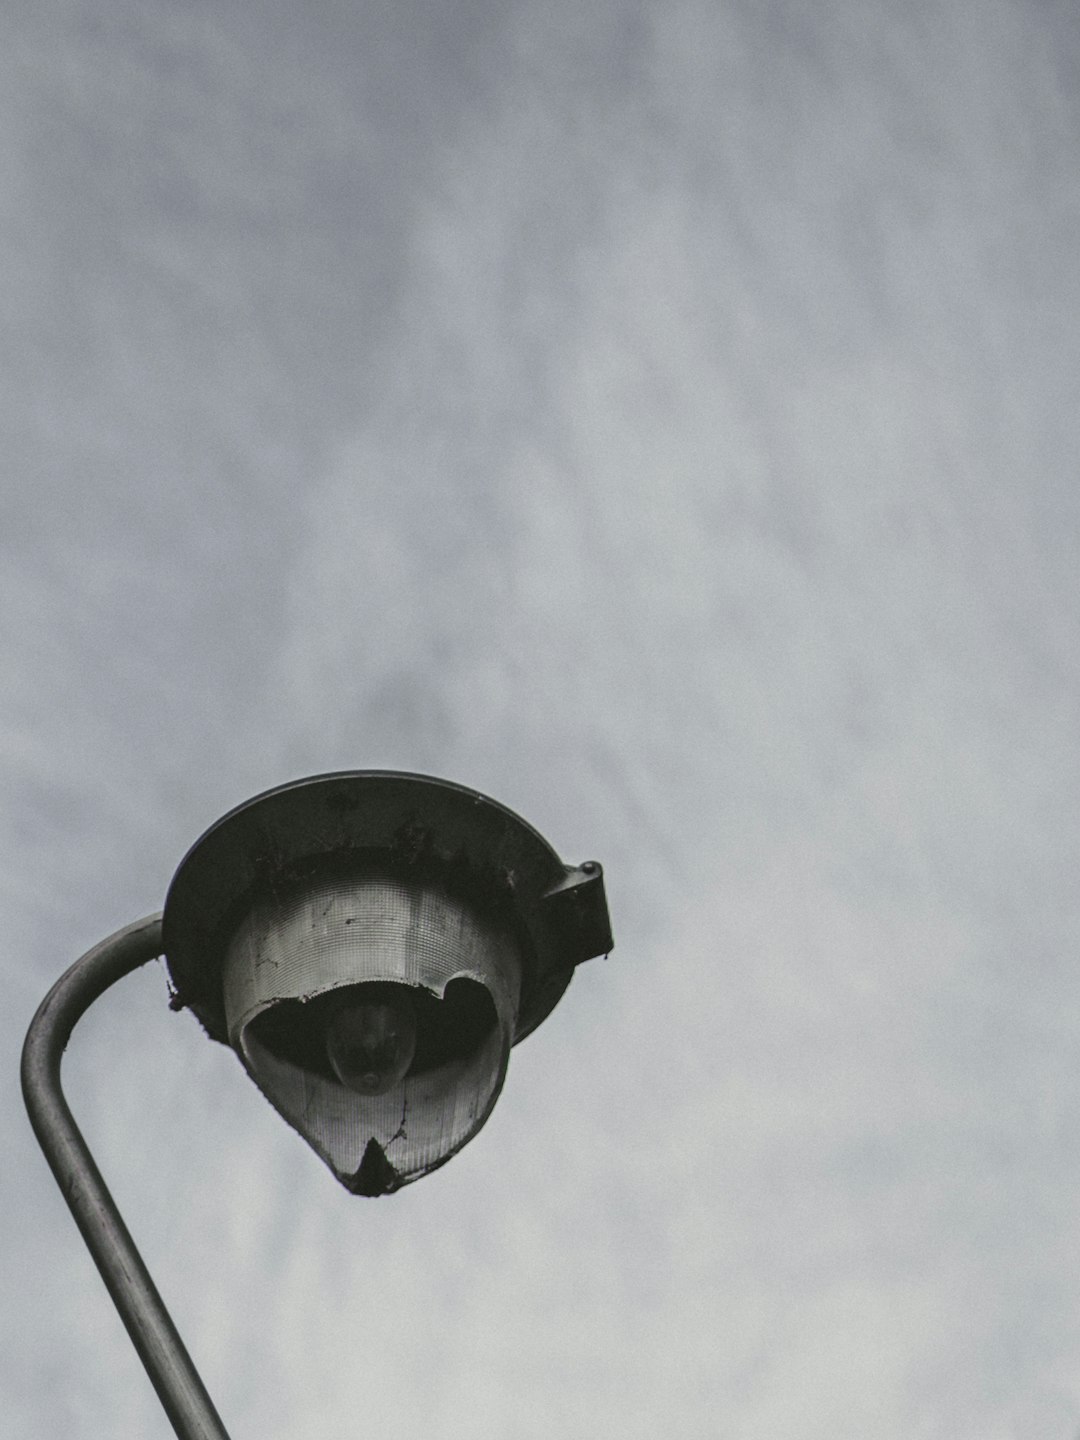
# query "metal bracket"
(575, 914)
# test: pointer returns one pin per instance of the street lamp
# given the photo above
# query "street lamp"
(371, 944)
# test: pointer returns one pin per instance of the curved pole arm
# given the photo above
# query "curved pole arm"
(134, 1294)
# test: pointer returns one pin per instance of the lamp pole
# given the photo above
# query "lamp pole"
(152, 1332)
(375, 898)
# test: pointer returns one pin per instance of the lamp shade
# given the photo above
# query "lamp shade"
(371, 945)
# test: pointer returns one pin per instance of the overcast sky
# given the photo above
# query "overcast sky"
(665, 418)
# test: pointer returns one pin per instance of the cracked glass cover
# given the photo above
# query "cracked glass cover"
(407, 971)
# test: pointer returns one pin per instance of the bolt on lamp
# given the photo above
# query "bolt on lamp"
(371, 944)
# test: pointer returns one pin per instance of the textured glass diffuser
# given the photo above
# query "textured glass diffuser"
(297, 958)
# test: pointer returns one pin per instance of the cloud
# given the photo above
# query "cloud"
(657, 420)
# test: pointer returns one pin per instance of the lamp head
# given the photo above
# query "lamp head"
(372, 944)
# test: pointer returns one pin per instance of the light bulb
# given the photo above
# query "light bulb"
(371, 1039)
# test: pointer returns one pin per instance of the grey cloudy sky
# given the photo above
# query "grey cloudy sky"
(663, 418)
